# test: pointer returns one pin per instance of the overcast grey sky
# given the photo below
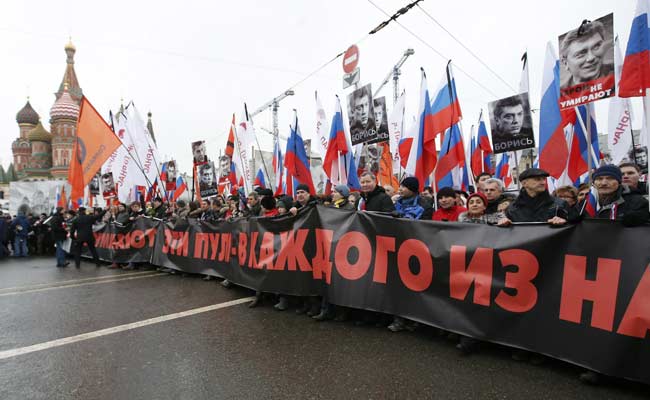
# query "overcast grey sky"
(194, 63)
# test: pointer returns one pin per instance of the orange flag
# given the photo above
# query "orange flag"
(386, 176)
(94, 145)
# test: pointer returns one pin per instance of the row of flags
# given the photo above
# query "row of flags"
(567, 150)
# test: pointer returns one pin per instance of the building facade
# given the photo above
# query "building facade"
(42, 155)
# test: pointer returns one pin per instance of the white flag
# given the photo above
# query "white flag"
(322, 128)
(395, 130)
(125, 170)
(146, 154)
(619, 135)
(244, 139)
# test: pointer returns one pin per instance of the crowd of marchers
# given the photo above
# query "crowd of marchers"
(617, 194)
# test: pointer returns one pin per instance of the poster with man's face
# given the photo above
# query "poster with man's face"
(639, 155)
(370, 159)
(199, 153)
(93, 186)
(511, 123)
(172, 174)
(207, 179)
(307, 145)
(108, 186)
(362, 115)
(587, 62)
(381, 120)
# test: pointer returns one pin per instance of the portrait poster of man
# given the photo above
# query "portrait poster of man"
(207, 179)
(93, 186)
(306, 143)
(511, 123)
(172, 174)
(108, 186)
(639, 155)
(587, 62)
(225, 182)
(361, 115)
(381, 120)
(370, 159)
(199, 152)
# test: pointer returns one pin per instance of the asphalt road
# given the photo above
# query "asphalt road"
(230, 351)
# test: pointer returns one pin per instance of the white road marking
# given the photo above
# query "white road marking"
(116, 329)
(44, 289)
(57, 283)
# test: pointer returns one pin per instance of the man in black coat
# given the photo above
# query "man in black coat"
(374, 197)
(82, 232)
(59, 235)
(535, 204)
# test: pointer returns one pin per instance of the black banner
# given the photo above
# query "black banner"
(578, 293)
(123, 244)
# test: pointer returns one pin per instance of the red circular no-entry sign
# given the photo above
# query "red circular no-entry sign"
(350, 59)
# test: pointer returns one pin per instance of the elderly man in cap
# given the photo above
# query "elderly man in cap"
(617, 201)
(535, 204)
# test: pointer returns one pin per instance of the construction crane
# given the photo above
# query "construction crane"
(273, 105)
(395, 73)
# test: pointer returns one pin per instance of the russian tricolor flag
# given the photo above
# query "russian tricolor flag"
(577, 168)
(553, 149)
(339, 163)
(635, 77)
(296, 160)
(277, 168)
(503, 170)
(422, 156)
(445, 107)
(481, 150)
(451, 164)
(181, 186)
(260, 181)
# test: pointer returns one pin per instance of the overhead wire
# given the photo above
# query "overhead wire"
(424, 42)
(466, 48)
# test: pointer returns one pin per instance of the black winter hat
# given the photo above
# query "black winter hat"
(302, 186)
(609, 170)
(411, 183)
(268, 202)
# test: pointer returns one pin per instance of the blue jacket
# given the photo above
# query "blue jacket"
(21, 226)
(409, 208)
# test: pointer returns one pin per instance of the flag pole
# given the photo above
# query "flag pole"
(514, 153)
(241, 160)
(589, 158)
(266, 171)
(137, 162)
